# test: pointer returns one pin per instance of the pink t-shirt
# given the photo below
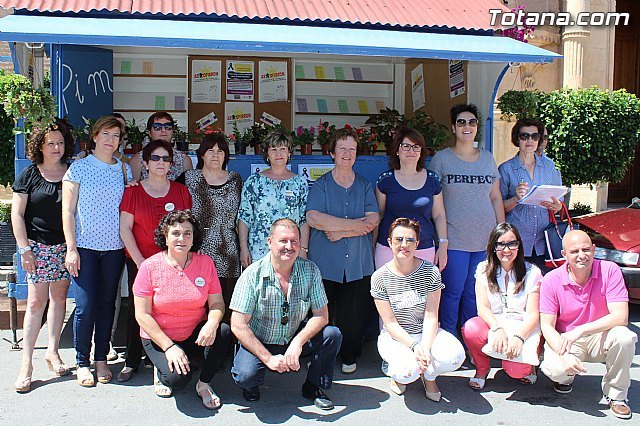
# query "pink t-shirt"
(178, 301)
(575, 305)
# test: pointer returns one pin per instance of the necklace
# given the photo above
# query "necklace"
(176, 265)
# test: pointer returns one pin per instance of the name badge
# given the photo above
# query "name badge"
(288, 193)
(169, 207)
(200, 282)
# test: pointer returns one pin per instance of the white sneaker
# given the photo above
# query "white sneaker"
(349, 368)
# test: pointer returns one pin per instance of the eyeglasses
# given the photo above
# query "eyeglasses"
(511, 245)
(523, 136)
(410, 146)
(165, 158)
(285, 313)
(472, 122)
(159, 126)
(409, 240)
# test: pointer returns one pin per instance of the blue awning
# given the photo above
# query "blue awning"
(266, 38)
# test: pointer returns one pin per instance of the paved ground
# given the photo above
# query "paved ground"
(361, 398)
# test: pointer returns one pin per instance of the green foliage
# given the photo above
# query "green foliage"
(135, 135)
(20, 100)
(578, 209)
(520, 104)
(5, 212)
(383, 124)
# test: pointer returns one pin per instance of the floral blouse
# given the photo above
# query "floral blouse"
(264, 200)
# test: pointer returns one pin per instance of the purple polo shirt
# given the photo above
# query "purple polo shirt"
(575, 305)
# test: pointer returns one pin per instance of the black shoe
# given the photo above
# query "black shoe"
(564, 389)
(147, 362)
(320, 400)
(251, 396)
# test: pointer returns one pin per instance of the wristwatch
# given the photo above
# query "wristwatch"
(23, 250)
(306, 250)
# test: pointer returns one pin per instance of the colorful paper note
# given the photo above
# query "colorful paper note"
(379, 105)
(363, 106)
(147, 67)
(322, 105)
(160, 103)
(339, 71)
(178, 103)
(125, 67)
(302, 105)
(357, 73)
(343, 106)
(319, 71)
(299, 71)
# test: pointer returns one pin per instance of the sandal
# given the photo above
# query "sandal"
(159, 388)
(477, 383)
(59, 368)
(23, 385)
(529, 380)
(397, 388)
(85, 377)
(103, 376)
(209, 398)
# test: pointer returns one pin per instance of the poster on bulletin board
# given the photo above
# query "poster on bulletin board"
(206, 81)
(417, 87)
(456, 78)
(272, 85)
(240, 113)
(239, 80)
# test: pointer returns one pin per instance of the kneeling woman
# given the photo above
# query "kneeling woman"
(507, 294)
(407, 294)
(172, 291)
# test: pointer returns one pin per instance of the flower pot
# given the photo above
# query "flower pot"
(182, 146)
(306, 149)
(257, 149)
(85, 145)
(325, 149)
(136, 147)
(240, 148)
(365, 150)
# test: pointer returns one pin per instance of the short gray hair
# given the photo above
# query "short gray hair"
(275, 138)
(286, 222)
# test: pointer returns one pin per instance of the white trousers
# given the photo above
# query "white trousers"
(447, 353)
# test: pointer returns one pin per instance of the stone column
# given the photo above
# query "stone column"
(574, 39)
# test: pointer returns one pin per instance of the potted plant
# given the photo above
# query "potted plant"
(367, 141)
(258, 133)
(238, 140)
(323, 135)
(519, 104)
(21, 100)
(384, 124)
(82, 134)
(304, 138)
(135, 136)
(181, 139)
(436, 135)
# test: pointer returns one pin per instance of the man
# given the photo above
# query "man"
(272, 298)
(542, 145)
(583, 315)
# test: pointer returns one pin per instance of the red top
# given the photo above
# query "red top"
(179, 300)
(147, 212)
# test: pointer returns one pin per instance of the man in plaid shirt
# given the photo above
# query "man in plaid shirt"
(270, 304)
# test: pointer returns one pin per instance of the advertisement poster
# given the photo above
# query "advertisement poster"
(417, 87)
(240, 113)
(272, 86)
(206, 79)
(312, 172)
(456, 78)
(239, 81)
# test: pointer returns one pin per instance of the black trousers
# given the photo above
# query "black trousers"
(348, 310)
(134, 345)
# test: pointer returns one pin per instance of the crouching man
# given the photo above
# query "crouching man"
(584, 314)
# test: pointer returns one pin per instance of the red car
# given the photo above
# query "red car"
(616, 234)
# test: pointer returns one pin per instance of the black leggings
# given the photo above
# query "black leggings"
(214, 356)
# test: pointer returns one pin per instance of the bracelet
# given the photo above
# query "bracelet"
(413, 345)
(496, 329)
(306, 249)
(172, 345)
(519, 337)
(443, 240)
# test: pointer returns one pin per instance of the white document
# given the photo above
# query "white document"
(540, 193)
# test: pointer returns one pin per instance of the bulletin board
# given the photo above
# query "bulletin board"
(197, 109)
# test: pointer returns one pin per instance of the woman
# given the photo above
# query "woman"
(471, 189)
(141, 209)
(36, 215)
(271, 194)
(517, 176)
(410, 190)
(342, 211)
(179, 307)
(216, 200)
(406, 291)
(160, 125)
(91, 192)
(507, 291)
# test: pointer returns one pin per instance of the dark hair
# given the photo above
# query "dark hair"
(38, 137)
(403, 222)
(208, 142)
(158, 116)
(276, 137)
(340, 134)
(493, 263)
(153, 145)
(414, 136)
(107, 122)
(118, 115)
(178, 216)
(525, 122)
(460, 108)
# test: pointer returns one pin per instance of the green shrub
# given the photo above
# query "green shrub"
(5, 212)
(578, 209)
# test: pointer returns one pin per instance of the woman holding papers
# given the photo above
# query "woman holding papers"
(517, 176)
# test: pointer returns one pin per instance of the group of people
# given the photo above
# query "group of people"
(289, 270)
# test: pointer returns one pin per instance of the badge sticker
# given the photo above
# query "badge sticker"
(169, 207)
(200, 282)
(288, 193)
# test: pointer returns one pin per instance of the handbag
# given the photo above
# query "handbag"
(553, 234)
(512, 325)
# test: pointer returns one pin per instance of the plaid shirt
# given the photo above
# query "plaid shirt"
(258, 293)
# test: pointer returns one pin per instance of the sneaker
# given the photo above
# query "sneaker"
(564, 389)
(619, 408)
(349, 368)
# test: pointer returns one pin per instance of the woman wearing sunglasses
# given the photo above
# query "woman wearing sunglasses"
(507, 292)
(160, 126)
(517, 176)
(410, 190)
(406, 291)
(141, 209)
(471, 189)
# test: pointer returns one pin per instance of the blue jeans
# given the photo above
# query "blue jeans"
(95, 292)
(248, 371)
(459, 295)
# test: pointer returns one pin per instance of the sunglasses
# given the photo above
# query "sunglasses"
(511, 245)
(159, 126)
(155, 157)
(523, 136)
(409, 240)
(472, 122)
(285, 313)
(410, 146)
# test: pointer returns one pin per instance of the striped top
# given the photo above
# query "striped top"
(407, 294)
